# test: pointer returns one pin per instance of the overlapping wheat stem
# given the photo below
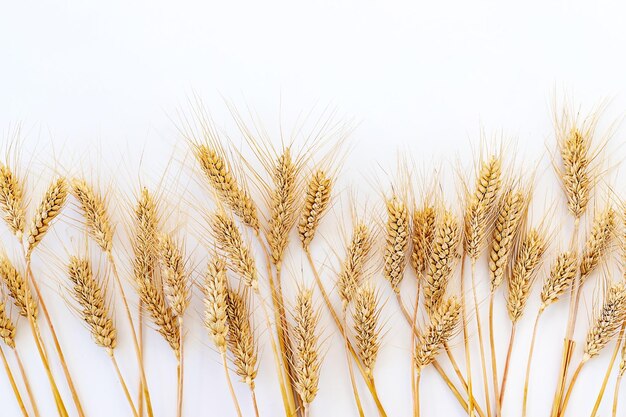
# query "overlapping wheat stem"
(12, 203)
(306, 350)
(316, 202)
(397, 242)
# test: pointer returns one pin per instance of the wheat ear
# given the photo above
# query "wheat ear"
(422, 238)
(367, 327)
(397, 242)
(576, 176)
(12, 201)
(306, 349)
(442, 258)
(175, 282)
(18, 288)
(229, 191)
(562, 275)
(316, 203)
(598, 242)
(443, 323)
(47, 211)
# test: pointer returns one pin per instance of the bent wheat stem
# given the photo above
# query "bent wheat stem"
(230, 385)
(26, 380)
(122, 382)
(529, 361)
(607, 374)
(16, 391)
(480, 341)
(618, 383)
(507, 363)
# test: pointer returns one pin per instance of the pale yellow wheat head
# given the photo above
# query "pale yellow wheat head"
(562, 275)
(397, 242)
(598, 241)
(367, 326)
(241, 341)
(215, 290)
(176, 278)
(18, 288)
(47, 211)
(608, 320)
(422, 238)
(316, 203)
(306, 350)
(444, 321)
(12, 201)
(95, 211)
(353, 267)
(7, 328)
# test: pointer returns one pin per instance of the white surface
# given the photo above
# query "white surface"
(96, 83)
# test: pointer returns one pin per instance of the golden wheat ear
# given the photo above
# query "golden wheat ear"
(316, 203)
(306, 347)
(444, 322)
(12, 203)
(354, 265)
(607, 322)
(48, 209)
(598, 242)
(95, 213)
(7, 328)
(215, 289)
(240, 337)
(397, 241)
(18, 288)
(422, 237)
(562, 275)
(367, 327)
(176, 278)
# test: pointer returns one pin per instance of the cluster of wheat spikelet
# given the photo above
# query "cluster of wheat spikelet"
(248, 218)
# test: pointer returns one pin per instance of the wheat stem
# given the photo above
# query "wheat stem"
(492, 346)
(230, 385)
(180, 371)
(355, 390)
(480, 341)
(26, 380)
(417, 393)
(16, 391)
(122, 382)
(55, 339)
(254, 403)
(144, 391)
(414, 382)
(607, 374)
(507, 362)
(618, 382)
(141, 396)
(571, 387)
(466, 346)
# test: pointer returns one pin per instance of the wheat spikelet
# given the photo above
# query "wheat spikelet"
(442, 258)
(95, 212)
(354, 265)
(575, 149)
(508, 220)
(146, 256)
(315, 204)
(598, 242)
(608, 321)
(48, 209)
(7, 328)
(12, 201)
(175, 283)
(215, 290)
(366, 319)
(443, 324)
(480, 206)
(18, 288)
(229, 240)
(306, 356)
(562, 275)
(220, 177)
(422, 238)
(525, 267)
(241, 338)
(397, 241)
(91, 298)
(282, 206)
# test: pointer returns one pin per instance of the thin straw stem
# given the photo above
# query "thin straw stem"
(55, 340)
(254, 403)
(492, 346)
(607, 374)
(355, 391)
(341, 329)
(144, 391)
(480, 341)
(230, 385)
(29, 391)
(618, 382)
(122, 382)
(528, 363)
(180, 371)
(417, 393)
(466, 346)
(414, 388)
(16, 391)
(570, 388)
(141, 394)
(505, 373)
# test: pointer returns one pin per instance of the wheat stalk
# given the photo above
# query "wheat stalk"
(306, 349)
(316, 203)
(12, 201)
(46, 212)
(598, 241)
(175, 282)
(229, 191)
(238, 253)
(397, 242)
(367, 328)
(440, 264)
(95, 211)
(422, 238)
(354, 264)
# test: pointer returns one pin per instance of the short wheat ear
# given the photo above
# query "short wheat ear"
(354, 265)
(397, 242)
(7, 335)
(598, 242)
(95, 212)
(176, 278)
(49, 208)
(367, 327)
(422, 237)
(12, 203)
(316, 203)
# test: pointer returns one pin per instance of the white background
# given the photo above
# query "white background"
(95, 86)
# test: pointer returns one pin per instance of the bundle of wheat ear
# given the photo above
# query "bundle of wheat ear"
(474, 258)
